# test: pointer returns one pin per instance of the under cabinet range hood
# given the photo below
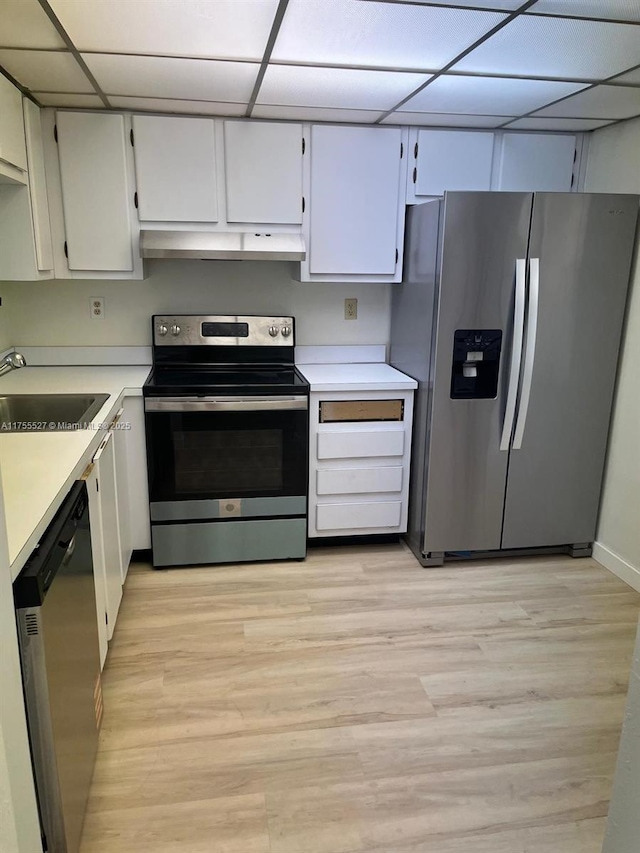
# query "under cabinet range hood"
(221, 246)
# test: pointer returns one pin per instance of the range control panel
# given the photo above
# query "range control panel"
(222, 330)
(476, 364)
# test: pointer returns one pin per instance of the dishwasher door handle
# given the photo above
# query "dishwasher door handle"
(68, 554)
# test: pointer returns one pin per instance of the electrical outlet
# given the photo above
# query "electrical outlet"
(350, 309)
(96, 307)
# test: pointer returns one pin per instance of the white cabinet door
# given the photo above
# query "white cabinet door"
(38, 186)
(536, 162)
(133, 416)
(451, 160)
(109, 530)
(12, 143)
(353, 203)
(175, 169)
(263, 170)
(95, 191)
(122, 491)
(99, 573)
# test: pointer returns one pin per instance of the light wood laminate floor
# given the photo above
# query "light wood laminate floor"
(358, 703)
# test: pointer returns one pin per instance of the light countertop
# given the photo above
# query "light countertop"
(356, 377)
(38, 468)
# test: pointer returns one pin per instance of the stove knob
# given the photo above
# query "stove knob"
(162, 329)
(175, 330)
(273, 331)
(286, 331)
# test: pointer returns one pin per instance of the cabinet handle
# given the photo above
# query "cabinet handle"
(66, 249)
(135, 199)
(396, 256)
(87, 471)
(415, 174)
(116, 418)
(415, 150)
(303, 204)
(401, 150)
(304, 145)
(131, 138)
(55, 132)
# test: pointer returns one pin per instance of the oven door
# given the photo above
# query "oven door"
(227, 457)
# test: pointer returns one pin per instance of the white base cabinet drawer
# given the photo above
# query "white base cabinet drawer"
(358, 516)
(359, 469)
(358, 443)
(353, 481)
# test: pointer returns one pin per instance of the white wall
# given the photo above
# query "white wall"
(614, 166)
(19, 827)
(57, 312)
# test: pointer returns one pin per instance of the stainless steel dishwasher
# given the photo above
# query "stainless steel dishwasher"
(58, 633)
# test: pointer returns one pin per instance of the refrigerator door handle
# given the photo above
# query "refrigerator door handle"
(530, 350)
(516, 353)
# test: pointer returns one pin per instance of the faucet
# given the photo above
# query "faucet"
(12, 362)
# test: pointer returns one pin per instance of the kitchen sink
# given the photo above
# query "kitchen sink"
(48, 412)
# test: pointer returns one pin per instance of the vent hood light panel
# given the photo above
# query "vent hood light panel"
(222, 246)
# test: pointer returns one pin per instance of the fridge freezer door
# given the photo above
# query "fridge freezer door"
(584, 244)
(484, 234)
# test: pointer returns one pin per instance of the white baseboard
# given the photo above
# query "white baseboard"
(612, 561)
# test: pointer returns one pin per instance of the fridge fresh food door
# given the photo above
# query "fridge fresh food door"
(578, 272)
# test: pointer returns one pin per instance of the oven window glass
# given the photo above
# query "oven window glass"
(238, 461)
(217, 455)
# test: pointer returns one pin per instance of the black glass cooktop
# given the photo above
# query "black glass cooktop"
(225, 379)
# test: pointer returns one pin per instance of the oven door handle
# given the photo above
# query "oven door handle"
(224, 404)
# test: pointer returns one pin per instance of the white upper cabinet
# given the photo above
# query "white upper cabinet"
(449, 160)
(536, 162)
(263, 169)
(95, 191)
(175, 169)
(38, 187)
(12, 143)
(356, 203)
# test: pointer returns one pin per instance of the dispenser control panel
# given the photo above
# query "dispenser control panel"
(476, 364)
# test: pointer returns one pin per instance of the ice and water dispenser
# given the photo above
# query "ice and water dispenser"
(476, 363)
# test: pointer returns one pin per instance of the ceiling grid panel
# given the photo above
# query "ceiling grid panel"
(522, 64)
(46, 8)
(496, 29)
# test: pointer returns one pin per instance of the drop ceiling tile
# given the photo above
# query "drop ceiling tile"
(534, 46)
(340, 88)
(599, 102)
(226, 29)
(47, 71)
(24, 24)
(577, 124)
(162, 77)
(314, 114)
(380, 35)
(169, 105)
(445, 120)
(51, 99)
(503, 5)
(629, 77)
(488, 95)
(614, 10)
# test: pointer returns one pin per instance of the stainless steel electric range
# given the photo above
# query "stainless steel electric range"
(227, 427)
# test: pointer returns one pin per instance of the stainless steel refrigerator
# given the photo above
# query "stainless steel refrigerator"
(510, 317)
